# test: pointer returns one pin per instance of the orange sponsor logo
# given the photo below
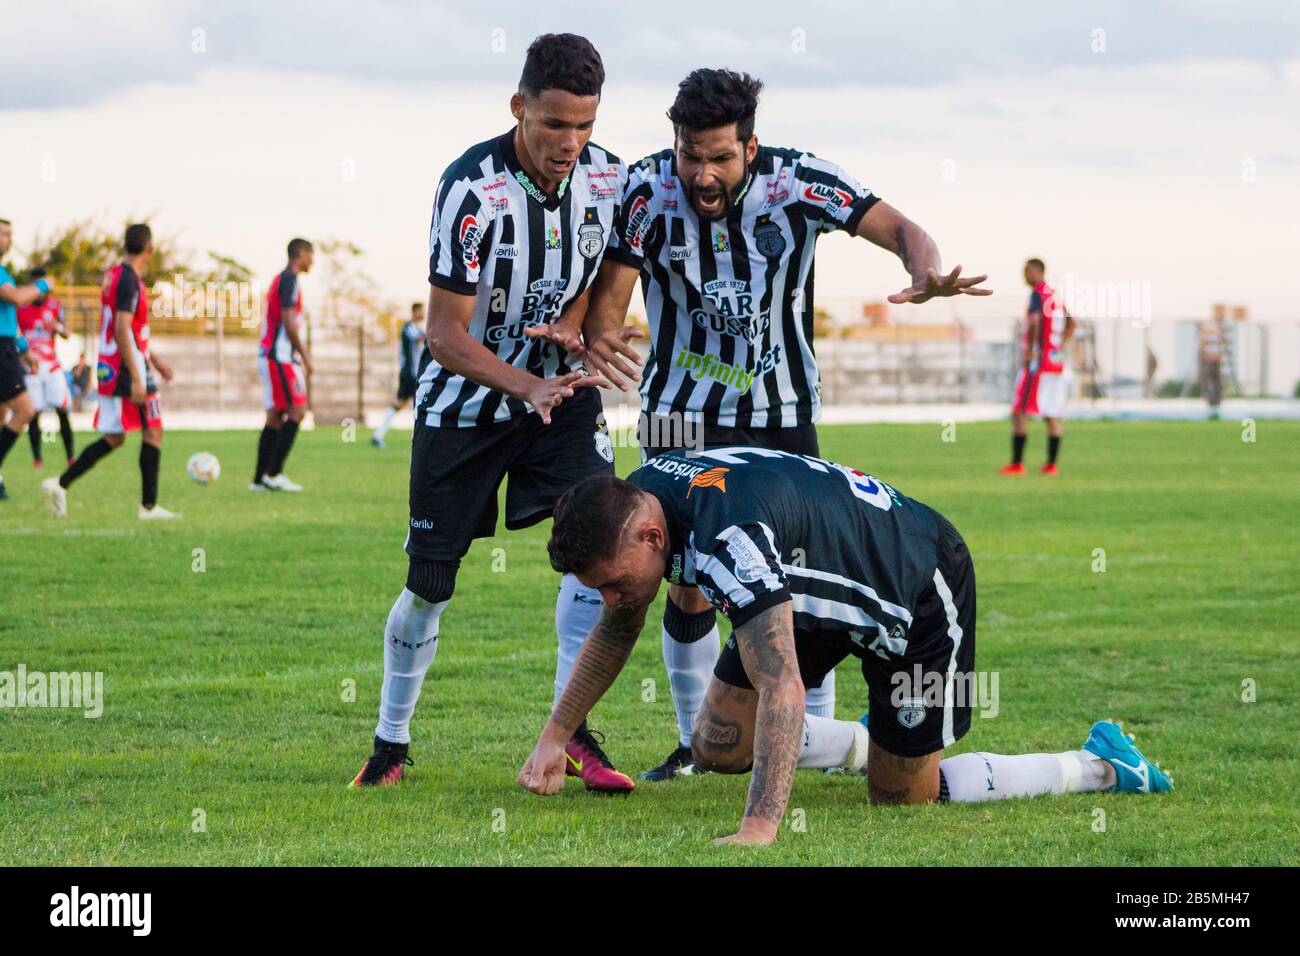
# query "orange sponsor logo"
(713, 478)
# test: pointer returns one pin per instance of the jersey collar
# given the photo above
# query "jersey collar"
(535, 192)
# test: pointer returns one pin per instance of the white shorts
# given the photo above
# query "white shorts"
(1041, 393)
(48, 389)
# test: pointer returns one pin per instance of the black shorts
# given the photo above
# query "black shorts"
(907, 718)
(407, 386)
(659, 434)
(456, 474)
(13, 377)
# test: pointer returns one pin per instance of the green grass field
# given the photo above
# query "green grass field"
(226, 688)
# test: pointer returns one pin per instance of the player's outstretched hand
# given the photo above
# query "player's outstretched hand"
(547, 393)
(543, 771)
(935, 285)
(611, 354)
(561, 334)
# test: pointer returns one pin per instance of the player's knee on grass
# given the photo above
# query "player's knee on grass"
(894, 779)
(434, 581)
(723, 739)
(152, 436)
(114, 441)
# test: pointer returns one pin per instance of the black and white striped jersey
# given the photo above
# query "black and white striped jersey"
(525, 255)
(729, 302)
(751, 528)
(410, 346)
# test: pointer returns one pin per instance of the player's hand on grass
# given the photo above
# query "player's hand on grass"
(563, 334)
(753, 832)
(546, 394)
(543, 771)
(611, 354)
(933, 285)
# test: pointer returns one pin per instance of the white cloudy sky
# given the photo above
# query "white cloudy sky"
(1173, 157)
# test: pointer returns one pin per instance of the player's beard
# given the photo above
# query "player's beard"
(728, 204)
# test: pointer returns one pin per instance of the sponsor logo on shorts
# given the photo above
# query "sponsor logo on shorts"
(605, 446)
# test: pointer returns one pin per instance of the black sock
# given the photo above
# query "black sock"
(1053, 446)
(265, 442)
(150, 455)
(7, 438)
(283, 442)
(94, 451)
(1018, 448)
(687, 628)
(34, 433)
(65, 429)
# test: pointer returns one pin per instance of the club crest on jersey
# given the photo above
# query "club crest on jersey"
(911, 712)
(591, 239)
(713, 478)
(767, 238)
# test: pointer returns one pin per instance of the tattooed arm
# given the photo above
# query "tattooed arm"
(766, 644)
(602, 657)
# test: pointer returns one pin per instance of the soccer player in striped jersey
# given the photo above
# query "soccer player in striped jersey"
(812, 562)
(284, 365)
(129, 399)
(1044, 375)
(410, 348)
(722, 233)
(520, 224)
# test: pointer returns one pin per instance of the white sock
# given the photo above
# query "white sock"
(976, 777)
(410, 643)
(820, 701)
(690, 668)
(832, 743)
(577, 611)
(387, 423)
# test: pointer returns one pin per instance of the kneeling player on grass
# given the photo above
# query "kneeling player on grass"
(811, 561)
(128, 395)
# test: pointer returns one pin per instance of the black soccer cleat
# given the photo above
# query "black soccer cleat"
(680, 763)
(384, 767)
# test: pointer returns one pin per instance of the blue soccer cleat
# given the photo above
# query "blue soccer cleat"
(1134, 773)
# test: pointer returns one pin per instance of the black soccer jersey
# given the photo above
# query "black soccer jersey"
(525, 255)
(730, 302)
(752, 527)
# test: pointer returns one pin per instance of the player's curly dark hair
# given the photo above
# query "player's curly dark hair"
(707, 99)
(562, 61)
(588, 519)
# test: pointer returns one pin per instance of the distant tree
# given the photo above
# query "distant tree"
(80, 252)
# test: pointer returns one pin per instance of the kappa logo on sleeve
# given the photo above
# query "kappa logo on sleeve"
(713, 478)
